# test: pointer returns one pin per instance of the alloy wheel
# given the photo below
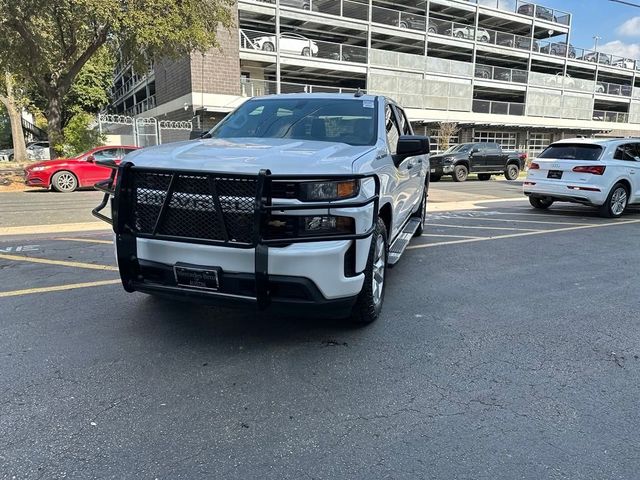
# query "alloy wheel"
(379, 261)
(618, 201)
(66, 182)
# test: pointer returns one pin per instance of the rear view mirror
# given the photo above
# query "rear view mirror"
(412, 145)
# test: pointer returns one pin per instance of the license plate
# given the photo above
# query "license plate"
(433, 170)
(202, 278)
(557, 174)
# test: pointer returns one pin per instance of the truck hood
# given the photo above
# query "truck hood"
(250, 155)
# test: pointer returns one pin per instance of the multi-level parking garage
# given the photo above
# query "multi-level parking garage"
(502, 74)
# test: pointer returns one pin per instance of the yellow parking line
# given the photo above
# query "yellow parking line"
(59, 228)
(86, 240)
(523, 234)
(58, 288)
(429, 224)
(63, 263)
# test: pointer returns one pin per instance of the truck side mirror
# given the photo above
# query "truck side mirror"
(412, 145)
(475, 150)
(195, 134)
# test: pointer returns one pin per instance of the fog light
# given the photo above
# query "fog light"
(326, 224)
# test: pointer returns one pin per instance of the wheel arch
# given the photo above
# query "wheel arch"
(386, 215)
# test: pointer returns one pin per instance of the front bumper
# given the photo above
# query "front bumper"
(36, 179)
(292, 270)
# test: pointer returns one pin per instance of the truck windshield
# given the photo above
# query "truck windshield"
(324, 120)
(572, 151)
(463, 147)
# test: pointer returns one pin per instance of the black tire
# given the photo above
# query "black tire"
(306, 7)
(432, 30)
(369, 304)
(459, 35)
(11, 157)
(404, 25)
(553, 52)
(540, 203)
(268, 47)
(306, 52)
(512, 172)
(64, 182)
(484, 176)
(484, 74)
(434, 178)
(616, 202)
(421, 213)
(460, 173)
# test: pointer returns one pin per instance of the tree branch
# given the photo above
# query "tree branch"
(67, 80)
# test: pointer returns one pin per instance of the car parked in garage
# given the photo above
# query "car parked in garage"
(291, 43)
(601, 173)
(68, 174)
(541, 12)
(467, 32)
(559, 49)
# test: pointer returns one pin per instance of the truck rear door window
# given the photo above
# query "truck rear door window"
(571, 151)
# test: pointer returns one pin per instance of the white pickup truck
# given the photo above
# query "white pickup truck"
(298, 200)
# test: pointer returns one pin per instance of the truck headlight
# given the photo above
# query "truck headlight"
(448, 159)
(336, 190)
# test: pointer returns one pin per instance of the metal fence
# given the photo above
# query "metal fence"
(142, 131)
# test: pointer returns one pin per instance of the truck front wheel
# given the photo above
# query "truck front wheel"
(369, 303)
(460, 173)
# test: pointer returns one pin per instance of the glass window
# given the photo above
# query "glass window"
(628, 152)
(346, 121)
(572, 151)
(405, 126)
(393, 133)
(107, 154)
(507, 140)
(537, 143)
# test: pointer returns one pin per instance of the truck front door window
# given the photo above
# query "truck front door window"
(393, 132)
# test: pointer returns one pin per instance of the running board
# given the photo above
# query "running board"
(400, 244)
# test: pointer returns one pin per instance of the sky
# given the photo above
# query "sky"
(618, 25)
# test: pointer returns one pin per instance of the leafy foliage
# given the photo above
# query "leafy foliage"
(48, 43)
(80, 135)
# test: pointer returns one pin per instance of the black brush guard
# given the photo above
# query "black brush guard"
(120, 188)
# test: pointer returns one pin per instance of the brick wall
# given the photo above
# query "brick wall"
(218, 71)
(173, 79)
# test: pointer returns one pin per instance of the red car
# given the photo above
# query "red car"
(69, 174)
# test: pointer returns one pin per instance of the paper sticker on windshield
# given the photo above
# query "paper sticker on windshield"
(367, 103)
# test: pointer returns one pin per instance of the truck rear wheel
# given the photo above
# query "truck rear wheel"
(369, 303)
(512, 172)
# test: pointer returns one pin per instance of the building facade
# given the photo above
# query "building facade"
(503, 71)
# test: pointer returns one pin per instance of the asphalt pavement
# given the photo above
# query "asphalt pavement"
(508, 347)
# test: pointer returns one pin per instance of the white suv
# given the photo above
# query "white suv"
(600, 173)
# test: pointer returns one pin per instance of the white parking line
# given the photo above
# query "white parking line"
(528, 221)
(481, 228)
(448, 236)
(523, 234)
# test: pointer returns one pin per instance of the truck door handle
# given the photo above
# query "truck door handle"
(632, 172)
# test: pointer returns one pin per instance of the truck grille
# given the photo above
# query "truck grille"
(208, 207)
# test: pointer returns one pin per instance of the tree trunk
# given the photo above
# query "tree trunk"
(54, 120)
(15, 119)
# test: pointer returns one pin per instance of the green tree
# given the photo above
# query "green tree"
(80, 135)
(50, 42)
(12, 102)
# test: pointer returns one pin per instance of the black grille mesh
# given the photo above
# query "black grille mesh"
(192, 212)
